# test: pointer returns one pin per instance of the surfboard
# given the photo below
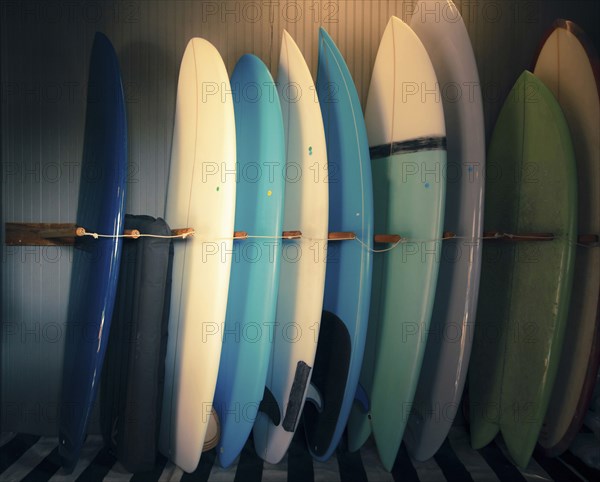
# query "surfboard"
(200, 195)
(446, 358)
(406, 132)
(94, 278)
(131, 389)
(525, 286)
(254, 279)
(349, 268)
(568, 65)
(302, 276)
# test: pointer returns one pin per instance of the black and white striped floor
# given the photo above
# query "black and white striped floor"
(33, 458)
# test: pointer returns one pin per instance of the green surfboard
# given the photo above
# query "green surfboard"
(407, 141)
(525, 286)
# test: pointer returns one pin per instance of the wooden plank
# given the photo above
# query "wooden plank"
(500, 236)
(341, 236)
(587, 239)
(29, 234)
(292, 234)
(64, 234)
(184, 232)
(388, 238)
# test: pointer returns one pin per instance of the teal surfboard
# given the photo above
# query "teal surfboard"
(408, 155)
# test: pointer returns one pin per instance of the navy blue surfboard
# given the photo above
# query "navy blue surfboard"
(100, 209)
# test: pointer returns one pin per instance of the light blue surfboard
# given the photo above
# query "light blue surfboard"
(349, 264)
(254, 281)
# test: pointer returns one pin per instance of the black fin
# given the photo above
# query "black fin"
(270, 407)
(330, 377)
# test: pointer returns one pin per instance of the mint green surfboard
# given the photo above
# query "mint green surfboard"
(407, 140)
(525, 286)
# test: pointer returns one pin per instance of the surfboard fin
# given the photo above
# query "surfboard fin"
(213, 432)
(313, 396)
(296, 396)
(362, 398)
(270, 407)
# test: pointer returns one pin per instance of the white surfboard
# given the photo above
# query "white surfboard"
(201, 195)
(448, 351)
(302, 278)
(568, 64)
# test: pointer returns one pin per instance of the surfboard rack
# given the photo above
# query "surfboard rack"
(387, 238)
(291, 234)
(333, 236)
(61, 234)
(65, 234)
(240, 235)
(584, 239)
(588, 239)
(501, 236)
(341, 236)
(396, 238)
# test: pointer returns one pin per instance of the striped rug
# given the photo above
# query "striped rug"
(32, 458)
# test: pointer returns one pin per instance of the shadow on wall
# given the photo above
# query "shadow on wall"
(150, 74)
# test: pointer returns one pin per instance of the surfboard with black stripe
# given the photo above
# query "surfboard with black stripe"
(407, 136)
